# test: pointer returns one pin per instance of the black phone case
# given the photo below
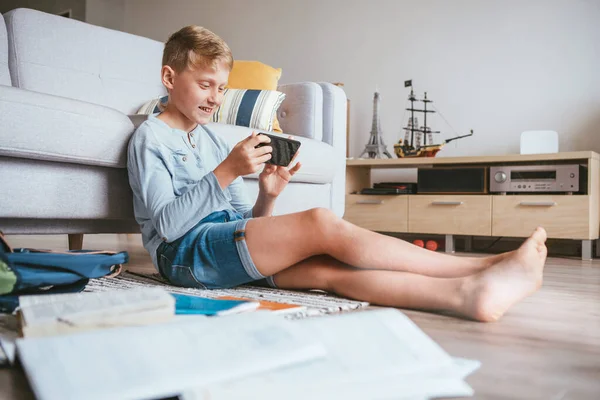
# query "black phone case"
(283, 149)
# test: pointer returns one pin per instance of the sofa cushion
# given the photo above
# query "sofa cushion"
(4, 73)
(318, 159)
(45, 127)
(255, 75)
(44, 189)
(69, 58)
(252, 108)
(153, 106)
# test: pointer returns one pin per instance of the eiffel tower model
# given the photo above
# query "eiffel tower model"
(376, 147)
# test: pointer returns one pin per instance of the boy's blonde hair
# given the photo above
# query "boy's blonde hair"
(195, 46)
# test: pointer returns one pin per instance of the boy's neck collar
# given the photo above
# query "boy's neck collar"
(174, 124)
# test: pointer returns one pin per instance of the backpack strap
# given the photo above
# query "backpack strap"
(117, 268)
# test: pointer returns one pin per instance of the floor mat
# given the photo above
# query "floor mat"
(315, 303)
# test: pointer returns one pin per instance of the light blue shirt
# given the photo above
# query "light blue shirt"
(174, 187)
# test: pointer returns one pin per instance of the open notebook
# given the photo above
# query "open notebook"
(160, 360)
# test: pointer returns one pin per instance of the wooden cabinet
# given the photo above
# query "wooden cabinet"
(562, 216)
(574, 216)
(443, 214)
(378, 213)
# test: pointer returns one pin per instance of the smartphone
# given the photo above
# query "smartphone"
(284, 149)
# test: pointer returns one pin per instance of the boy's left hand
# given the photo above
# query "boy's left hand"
(273, 179)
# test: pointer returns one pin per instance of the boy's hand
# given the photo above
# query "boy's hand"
(273, 179)
(245, 158)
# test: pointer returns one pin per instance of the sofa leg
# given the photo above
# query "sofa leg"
(76, 241)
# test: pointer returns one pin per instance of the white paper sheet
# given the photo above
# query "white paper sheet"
(371, 354)
(159, 360)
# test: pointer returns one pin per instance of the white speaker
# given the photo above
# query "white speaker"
(539, 142)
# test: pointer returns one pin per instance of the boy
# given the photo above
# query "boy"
(201, 230)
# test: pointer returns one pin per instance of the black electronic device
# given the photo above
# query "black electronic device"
(404, 187)
(456, 180)
(383, 191)
(284, 149)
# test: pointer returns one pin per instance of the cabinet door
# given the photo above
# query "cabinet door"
(562, 216)
(377, 213)
(450, 214)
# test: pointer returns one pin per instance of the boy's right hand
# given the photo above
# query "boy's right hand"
(245, 158)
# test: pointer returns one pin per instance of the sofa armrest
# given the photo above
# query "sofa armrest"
(47, 127)
(335, 109)
(301, 113)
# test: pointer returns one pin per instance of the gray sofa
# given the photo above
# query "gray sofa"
(67, 89)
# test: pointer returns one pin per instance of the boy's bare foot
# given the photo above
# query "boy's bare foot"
(490, 293)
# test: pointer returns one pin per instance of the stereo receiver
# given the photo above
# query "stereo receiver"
(560, 178)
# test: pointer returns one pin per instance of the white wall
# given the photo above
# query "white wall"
(107, 13)
(77, 7)
(498, 67)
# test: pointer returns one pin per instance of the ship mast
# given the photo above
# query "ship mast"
(412, 99)
(424, 130)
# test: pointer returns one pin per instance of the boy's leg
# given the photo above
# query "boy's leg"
(485, 296)
(276, 243)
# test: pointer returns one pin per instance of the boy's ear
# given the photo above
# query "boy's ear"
(167, 76)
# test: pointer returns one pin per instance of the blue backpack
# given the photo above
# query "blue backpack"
(29, 271)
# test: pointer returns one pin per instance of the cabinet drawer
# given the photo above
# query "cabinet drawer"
(562, 216)
(377, 213)
(458, 215)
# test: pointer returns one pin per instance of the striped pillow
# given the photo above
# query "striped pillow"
(255, 109)
(152, 106)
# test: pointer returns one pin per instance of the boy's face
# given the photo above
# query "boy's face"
(197, 92)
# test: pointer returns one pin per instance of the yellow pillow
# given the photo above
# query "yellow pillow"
(257, 76)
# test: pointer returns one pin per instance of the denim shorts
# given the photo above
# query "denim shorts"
(211, 255)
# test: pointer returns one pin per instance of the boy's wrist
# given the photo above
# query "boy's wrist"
(264, 195)
(224, 174)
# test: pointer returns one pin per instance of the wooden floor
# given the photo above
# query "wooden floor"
(547, 347)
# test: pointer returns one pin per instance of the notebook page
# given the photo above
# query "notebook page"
(161, 360)
(365, 350)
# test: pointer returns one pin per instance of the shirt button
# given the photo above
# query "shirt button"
(164, 239)
(191, 134)
(184, 158)
(194, 146)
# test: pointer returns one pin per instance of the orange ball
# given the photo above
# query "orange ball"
(431, 245)
(419, 243)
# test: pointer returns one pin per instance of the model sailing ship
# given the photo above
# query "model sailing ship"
(415, 143)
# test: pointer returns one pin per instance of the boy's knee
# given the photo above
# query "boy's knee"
(321, 217)
(325, 227)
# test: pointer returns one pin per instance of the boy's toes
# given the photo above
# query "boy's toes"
(539, 235)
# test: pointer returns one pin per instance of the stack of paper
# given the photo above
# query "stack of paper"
(378, 354)
(374, 354)
(43, 315)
